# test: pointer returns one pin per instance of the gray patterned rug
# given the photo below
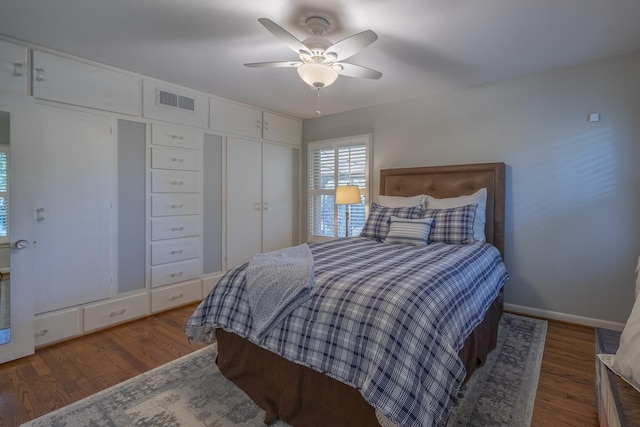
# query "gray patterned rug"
(192, 392)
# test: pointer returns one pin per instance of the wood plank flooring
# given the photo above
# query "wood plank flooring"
(61, 374)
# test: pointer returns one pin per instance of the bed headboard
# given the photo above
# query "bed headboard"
(451, 181)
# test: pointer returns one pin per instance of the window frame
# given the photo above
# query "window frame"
(336, 144)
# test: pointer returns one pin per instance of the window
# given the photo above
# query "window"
(4, 194)
(342, 161)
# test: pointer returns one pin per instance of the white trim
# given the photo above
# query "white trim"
(570, 318)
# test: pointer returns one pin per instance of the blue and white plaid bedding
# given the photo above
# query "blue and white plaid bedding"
(385, 319)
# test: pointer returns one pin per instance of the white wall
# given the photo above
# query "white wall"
(573, 193)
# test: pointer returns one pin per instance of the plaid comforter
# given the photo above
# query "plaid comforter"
(385, 319)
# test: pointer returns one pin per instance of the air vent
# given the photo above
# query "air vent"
(173, 100)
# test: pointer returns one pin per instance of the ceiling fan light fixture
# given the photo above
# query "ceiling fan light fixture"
(317, 75)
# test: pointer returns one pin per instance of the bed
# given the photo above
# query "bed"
(308, 384)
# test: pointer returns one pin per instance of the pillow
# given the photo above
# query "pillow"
(479, 198)
(401, 202)
(453, 226)
(626, 362)
(409, 231)
(377, 224)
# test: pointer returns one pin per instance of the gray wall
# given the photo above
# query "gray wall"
(573, 202)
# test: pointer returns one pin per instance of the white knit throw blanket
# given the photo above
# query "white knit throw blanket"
(277, 283)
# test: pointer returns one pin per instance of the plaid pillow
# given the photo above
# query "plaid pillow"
(377, 224)
(409, 231)
(453, 225)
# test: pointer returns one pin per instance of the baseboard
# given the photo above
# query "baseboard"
(570, 318)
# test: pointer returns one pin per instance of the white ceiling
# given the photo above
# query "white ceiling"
(425, 47)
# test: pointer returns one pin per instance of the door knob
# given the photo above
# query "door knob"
(21, 244)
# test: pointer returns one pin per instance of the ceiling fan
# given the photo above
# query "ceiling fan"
(319, 62)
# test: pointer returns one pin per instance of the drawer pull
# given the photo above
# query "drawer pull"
(117, 313)
(177, 182)
(177, 252)
(41, 333)
(177, 206)
(177, 159)
(180, 137)
(178, 274)
(177, 228)
(175, 297)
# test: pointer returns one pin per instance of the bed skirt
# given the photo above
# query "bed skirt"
(302, 396)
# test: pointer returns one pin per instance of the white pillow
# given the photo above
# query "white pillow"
(401, 202)
(626, 361)
(479, 198)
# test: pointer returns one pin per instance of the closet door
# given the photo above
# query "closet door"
(277, 197)
(74, 175)
(244, 203)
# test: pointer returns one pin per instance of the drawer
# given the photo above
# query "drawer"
(165, 251)
(172, 296)
(175, 137)
(163, 181)
(57, 326)
(175, 204)
(115, 311)
(175, 227)
(174, 158)
(175, 272)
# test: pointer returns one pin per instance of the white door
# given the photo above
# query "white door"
(16, 299)
(244, 201)
(74, 169)
(277, 197)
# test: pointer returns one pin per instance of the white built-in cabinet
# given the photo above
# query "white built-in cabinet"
(260, 194)
(145, 192)
(14, 69)
(243, 120)
(176, 200)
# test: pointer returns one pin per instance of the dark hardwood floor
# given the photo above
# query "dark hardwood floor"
(63, 373)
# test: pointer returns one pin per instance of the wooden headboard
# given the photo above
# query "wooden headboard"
(451, 181)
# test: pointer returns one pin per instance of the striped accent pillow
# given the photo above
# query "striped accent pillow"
(377, 224)
(409, 231)
(453, 225)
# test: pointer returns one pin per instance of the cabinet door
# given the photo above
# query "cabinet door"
(72, 82)
(244, 205)
(74, 168)
(13, 68)
(281, 129)
(277, 197)
(237, 119)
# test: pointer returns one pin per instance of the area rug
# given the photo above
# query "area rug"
(191, 392)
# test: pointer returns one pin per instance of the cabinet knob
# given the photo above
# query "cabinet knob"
(180, 137)
(266, 125)
(257, 206)
(17, 69)
(178, 274)
(177, 252)
(258, 124)
(175, 297)
(40, 74)
(177, 228)
(265, 205)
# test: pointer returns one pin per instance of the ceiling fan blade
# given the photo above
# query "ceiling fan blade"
(280, 64)
(352, 70)
(284, 36)
(352, 45)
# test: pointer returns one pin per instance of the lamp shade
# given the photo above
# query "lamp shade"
(347, 195)
(317, 75)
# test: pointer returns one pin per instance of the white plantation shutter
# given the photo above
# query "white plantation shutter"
(342, 161)
(4, 196)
